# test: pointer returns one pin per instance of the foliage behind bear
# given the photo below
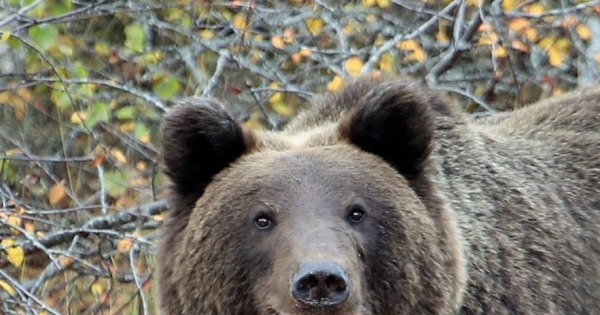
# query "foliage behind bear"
(383, 198)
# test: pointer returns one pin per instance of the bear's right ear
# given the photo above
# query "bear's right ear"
(199, 138)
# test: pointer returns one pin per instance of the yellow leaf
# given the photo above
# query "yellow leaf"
(509, 5)
(277, 42)
(144, 139)
(239, 21)
(584, 32)
(441, 36)
(124, 245)
(118, 155)
(14, 254)
(282, 108)
(383, 3)
(97, 288)
(353, 66)
(7, 288)
(556, 57)
(102, 48)
(158, 217)
(127, 127)
(276, 97)
(206, 34)
(369, 3)
(335, 84)
(78, 118)
(419, 55)
(535, 8)
(488, 38)
(14, 222)
(314, 25)
(547, 42)
(410, 44)
(13, 151)
(386, 63)
(500, 52)
(56, 194)
(563, 44)
(5, 35)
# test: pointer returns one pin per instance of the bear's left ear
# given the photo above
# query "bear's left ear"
(395, 121)
(199, 139)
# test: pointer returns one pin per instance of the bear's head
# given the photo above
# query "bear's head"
(336, 217)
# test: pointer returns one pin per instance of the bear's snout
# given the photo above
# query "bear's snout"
(320, 284)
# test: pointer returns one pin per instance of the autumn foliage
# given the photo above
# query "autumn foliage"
(84, 84)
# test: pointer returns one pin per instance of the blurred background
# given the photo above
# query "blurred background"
(84, 84)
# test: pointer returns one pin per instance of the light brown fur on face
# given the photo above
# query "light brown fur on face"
(495, 216)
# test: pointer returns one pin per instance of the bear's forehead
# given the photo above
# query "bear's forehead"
(314, 170)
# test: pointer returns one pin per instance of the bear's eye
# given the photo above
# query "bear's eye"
(356, 214)
(263, 221)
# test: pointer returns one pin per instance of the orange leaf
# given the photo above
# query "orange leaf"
(29, 227)
(277, 42)
(519, 45)
(98, 159)
(124, 245)
(57, 193)
(519, 24)
(569, 21)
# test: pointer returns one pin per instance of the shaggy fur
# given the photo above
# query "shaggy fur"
(495, 216)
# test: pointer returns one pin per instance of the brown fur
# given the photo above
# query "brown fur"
(497, 216)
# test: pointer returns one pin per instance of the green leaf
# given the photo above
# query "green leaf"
(141, 131)
(60, 98)
(126, 112)
(115, 183)
(99, 112)
(60, 7)
(167, 88)
(135, 37)
(44, 35)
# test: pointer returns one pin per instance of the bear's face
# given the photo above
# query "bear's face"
(345, 227)
(313, 235)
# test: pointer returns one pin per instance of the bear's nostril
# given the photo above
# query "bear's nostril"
(335, 283)
(320, 284)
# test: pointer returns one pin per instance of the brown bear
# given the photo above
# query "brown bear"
(380, 199)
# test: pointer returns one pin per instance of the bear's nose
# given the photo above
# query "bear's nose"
(320, 284)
